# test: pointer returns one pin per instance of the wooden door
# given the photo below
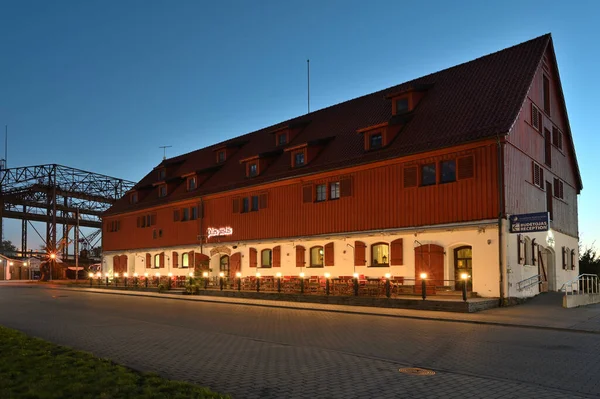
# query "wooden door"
(429, 258)
(235, 264)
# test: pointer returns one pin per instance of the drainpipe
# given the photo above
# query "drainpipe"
(500, 168)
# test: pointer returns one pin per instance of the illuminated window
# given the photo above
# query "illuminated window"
(266, 258)
(156, 261)
(185, 260)
(380, 254)
(316, 257)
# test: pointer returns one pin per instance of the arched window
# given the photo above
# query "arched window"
(157, 260)
(527, 254)
(185, 260)
(380, 254)
(316, 256)
(266, 258)
(224, 264)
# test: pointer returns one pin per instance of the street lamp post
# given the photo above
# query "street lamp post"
(423, 285)
(465, 278)
(355, 283)
(302, 282)
(388, 291)
(239, 277)
(279, 282)
(221, 275)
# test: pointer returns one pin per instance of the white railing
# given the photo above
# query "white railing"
(528, 282)
(583, 284)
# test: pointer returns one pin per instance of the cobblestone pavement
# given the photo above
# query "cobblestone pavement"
(259, 352)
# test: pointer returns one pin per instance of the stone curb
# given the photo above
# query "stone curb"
(343, 311)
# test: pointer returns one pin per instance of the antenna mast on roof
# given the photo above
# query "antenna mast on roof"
(4, 162)
(164, 147)
(308, 75)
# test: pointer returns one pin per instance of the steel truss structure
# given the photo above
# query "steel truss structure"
(58, 195)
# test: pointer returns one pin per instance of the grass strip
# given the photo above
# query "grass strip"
(31, 368)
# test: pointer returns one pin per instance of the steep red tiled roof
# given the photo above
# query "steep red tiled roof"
(468, 102)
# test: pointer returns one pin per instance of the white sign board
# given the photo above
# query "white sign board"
(218, 232)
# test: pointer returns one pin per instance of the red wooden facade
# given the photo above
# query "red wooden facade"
(378, 200)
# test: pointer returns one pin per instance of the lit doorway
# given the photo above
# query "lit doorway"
(463, 263)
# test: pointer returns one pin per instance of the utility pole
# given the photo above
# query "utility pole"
(77, 245)
(308, 82)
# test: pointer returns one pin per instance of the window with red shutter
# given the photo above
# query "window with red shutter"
(536, 118)
(307, 194)
(277, 256)
(300, 253)
(547, 148)
(175, 256)
(253, 257)
(262, 201)
(346, 187)
(360, 253)
(329, 255)
(162, 260)
(397, 254)
(148, 261)
(466, 168)
(410, 177)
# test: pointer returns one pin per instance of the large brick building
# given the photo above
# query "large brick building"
(417, 177)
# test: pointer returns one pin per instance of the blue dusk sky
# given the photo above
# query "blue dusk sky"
(100, 85)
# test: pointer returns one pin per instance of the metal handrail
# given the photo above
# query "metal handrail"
(584, 284)
(528, 282)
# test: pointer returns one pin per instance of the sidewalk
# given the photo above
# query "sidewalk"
(544, 311)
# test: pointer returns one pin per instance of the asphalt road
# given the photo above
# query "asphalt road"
(258, 352)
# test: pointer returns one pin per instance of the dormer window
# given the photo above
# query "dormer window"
(375, 141)
(192, 183)
(252, 170)
(221, 156)
(162, 190)
(401, 105)
(282, 139)
(133, 198)
(299, 158)
(161, 174)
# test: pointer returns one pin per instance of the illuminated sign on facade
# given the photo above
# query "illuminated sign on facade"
(221, 231)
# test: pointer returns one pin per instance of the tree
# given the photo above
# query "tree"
(8, 248)
(589, 261)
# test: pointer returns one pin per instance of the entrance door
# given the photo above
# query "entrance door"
(224, 264)
(235, 264)
(463, 263)
(429, 258)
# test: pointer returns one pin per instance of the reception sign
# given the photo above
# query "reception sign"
(529, 222)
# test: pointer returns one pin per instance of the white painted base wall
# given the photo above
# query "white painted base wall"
(551, 257)
(483, 239)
